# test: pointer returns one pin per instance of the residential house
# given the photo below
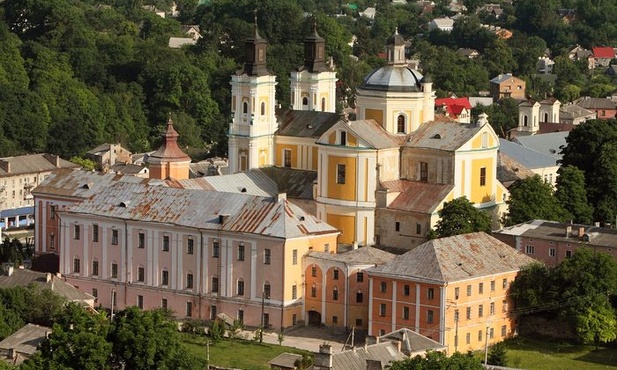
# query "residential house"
(154, 9)
(575, 115)
(444, 24)
(457, 109)
(492, 9)
(604, 108)
(580, 53)
(107, 155)
(545, 65)
(468, 53)
(541, 164)
(23, 344)
(500, 32)
(568, 15)
(371, 357)
(191, 30)
(552, 242)
(507, 86)
(453, 290)
(603, 55)
(18, 277)
(336, 287)
(131, 169)
(369, 13)
(18, 176)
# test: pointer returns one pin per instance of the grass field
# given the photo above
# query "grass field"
(240, 354)
(547, 354)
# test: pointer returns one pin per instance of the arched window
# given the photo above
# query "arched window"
(525, 121)
(263, 108)
(245, 107)
(323, 104)
(305, 101)
(400, 124)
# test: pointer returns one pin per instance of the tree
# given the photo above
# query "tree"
(438, 361)
(459, 216)
(144, 340)
(597, 325)
(531, 199)
(572, 194)
(497, 354)
(85, 163)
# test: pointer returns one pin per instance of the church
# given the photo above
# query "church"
(380, 178)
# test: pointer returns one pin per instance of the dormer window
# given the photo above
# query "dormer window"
(343, 137)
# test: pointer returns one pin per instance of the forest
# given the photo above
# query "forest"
(78, 73)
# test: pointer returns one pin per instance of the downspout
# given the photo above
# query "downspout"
(347, 293)
(201, 267)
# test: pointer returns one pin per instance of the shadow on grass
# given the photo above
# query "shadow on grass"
(603, 356)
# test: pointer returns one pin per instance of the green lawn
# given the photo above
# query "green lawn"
(541, 353)
(240, 354)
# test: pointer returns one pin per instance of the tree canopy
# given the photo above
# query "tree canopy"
(459, 216)
(530, 199)
(438, 361)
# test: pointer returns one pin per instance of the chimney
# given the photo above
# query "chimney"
(568, 231)
(5, 165)
(10, 270)
(47, 277)
(596, 224)
(12, 353)
(323, 359)
(355, 244)
(53, 159)
(581, 232)
(398, 345)
(223, 218)
(281, 197)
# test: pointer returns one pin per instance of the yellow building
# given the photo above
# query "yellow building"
(382, 177)
(453, 290)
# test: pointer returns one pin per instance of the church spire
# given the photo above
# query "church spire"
(396, 49)
(314, 51)
(169, 161)
(255, 64)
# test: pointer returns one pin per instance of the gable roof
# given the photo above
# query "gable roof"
(603, 52)
(455, 258)
(299, 123)
(510, 171)
(25, 341)
(595, 103)
(412, 343)
(357, 358)
(503, 78)
(359, 256)
(549, 144)
(572, 111)
(32, 163)
(416, 196)
(454, 106)
(525, 156)
(23, 278)
(369, 132)
(443, 135)
(556, 231)
(209, 210)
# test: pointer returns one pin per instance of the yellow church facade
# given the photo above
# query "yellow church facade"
(383, 176)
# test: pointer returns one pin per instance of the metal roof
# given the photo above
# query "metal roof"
(526, 156)
(299, 123)
(34, 163)
(209, 210)
(509, 170)
(412, 342)
(21, 211)
(549, 144)
(556, 231)
(359, 256)
(595, 103)
(26, 340)
(23, 278)
(443, 135)
(285, 360)
(396, 78)
(416, 196)
(455, 258)
(503, 78)
(368, 131)
(356, 358)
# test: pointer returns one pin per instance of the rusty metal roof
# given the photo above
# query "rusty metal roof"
(75, 183)
(359, 256)
(443, 135)
(455, 258)
(417, 196)
(299, 123)
(239, 213)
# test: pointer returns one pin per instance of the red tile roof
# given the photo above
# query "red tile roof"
(603, 52)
